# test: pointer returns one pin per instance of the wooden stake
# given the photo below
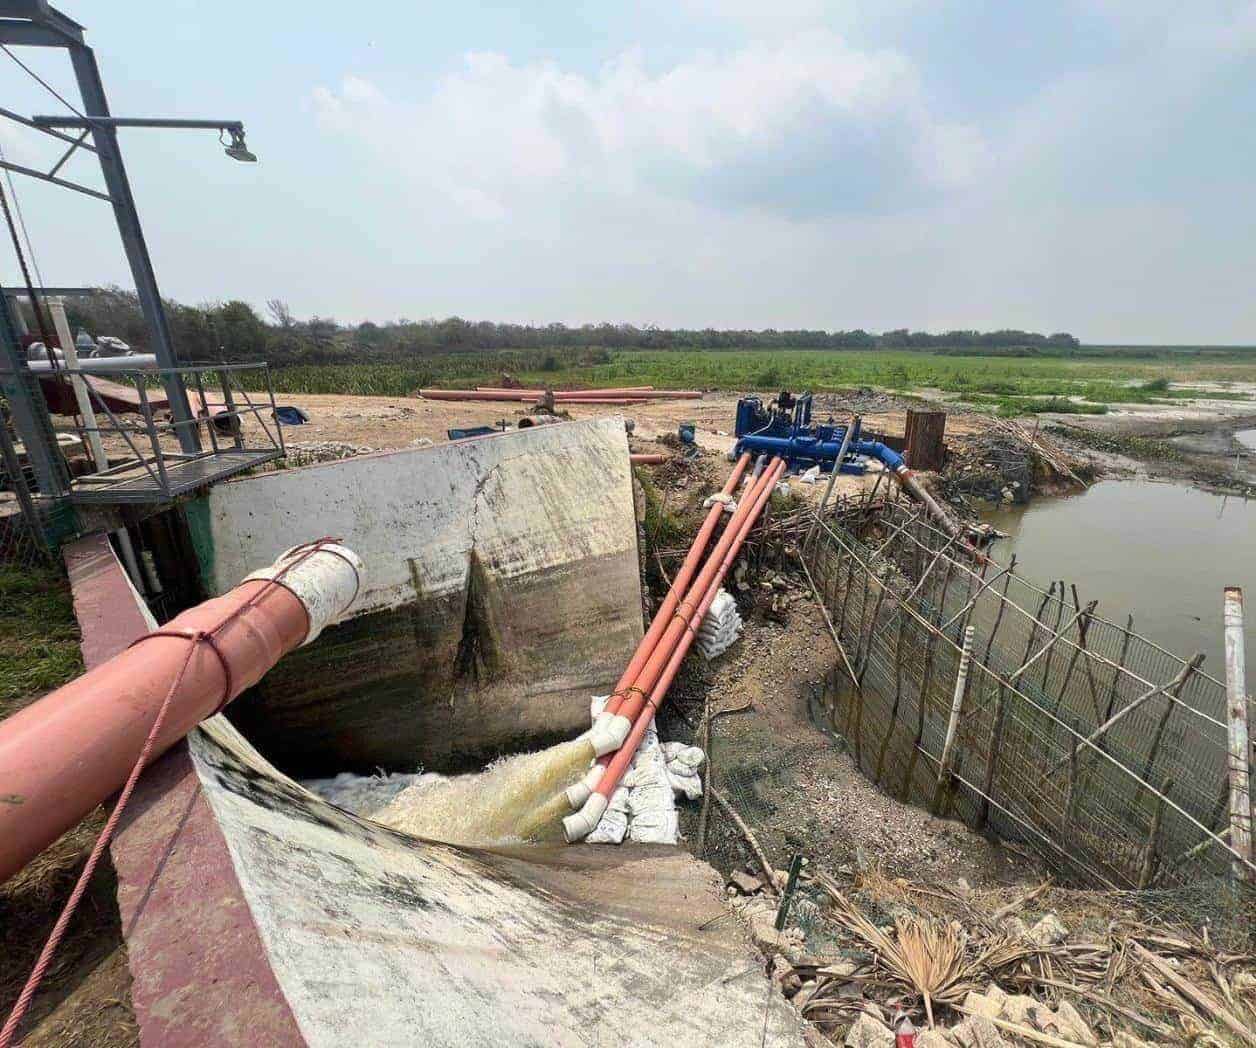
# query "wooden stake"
(1238, 736)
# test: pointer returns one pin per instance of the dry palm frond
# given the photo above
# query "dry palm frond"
(925, 955)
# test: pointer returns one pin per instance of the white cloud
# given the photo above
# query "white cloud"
(493, 133)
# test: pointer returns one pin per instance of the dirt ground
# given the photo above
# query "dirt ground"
(787, 777)
(798, 790)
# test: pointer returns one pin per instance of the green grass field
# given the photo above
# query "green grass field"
(1099, 377)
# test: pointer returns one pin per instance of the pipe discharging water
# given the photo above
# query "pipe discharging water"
(517, 799)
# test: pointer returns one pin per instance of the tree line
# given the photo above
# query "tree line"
(235, 331)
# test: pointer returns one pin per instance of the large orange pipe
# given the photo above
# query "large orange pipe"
(617, 391)
(708, 584)
(62, 756)
(679, 586)
(576, 395)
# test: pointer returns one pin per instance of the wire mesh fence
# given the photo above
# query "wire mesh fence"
(22, 523)
(1075, 735)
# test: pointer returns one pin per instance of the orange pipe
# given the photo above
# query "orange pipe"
(712, 577)
(66, 753)
(475, 394)
(624, 390)
(579, 793)
(684, 609)
(647, 460)
(600, 400)
(680, 585)
(626, 752)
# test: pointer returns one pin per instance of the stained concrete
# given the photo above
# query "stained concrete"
(502, 590)
(382, 939)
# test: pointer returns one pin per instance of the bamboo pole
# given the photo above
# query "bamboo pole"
(1112, 721)
(1000, 706)
(1206, 1005)
(1153, 837)
(837, 468)
(837, 640)
(1059, 632)
(1238, 737)
(952, 724)
(972, 601)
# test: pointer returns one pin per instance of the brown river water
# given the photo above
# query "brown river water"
(1163, 552)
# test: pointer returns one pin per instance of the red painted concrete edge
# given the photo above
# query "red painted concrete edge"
(200, 973)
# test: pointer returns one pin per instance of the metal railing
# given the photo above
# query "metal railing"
(135, 443)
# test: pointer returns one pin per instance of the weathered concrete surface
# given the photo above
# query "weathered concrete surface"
(501, 591)
(377, 938)
(199, 972)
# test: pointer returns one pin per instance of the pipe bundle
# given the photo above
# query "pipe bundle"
(618, 731)
(619, 395)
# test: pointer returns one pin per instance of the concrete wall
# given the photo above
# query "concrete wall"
(502, 590)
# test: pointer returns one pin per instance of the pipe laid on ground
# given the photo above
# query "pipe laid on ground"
(581, 823)
(647, 459)
(611, 730)
(66, 753)
(605, 731)
(601, 400)
(618, 391)
(567, 396)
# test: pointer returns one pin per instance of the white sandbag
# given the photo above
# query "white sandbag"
(720, 626)
(613, 826)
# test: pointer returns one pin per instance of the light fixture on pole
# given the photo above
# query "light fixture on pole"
(235, 148)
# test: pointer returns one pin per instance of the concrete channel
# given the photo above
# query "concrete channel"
(502, 589)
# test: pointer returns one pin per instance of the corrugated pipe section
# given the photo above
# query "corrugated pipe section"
(66, 753)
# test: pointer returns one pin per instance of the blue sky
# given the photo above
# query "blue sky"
(1082, 166)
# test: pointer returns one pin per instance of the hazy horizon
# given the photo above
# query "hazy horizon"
(1082, 167)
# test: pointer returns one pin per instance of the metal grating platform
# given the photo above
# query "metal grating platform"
(138, 482)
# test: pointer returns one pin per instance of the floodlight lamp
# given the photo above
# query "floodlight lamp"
(236, 149)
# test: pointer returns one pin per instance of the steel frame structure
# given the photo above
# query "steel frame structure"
(35, 23)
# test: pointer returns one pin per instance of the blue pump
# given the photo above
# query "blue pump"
(784, 428)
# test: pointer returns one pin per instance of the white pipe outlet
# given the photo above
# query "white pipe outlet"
(609, 732)
(327, 581)
(579, 792)
(578, 825)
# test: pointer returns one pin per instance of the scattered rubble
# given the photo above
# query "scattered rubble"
(949, 961)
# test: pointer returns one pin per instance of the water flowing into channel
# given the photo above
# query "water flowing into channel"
(514, 800)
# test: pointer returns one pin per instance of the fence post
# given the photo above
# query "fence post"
(952, 724)
(1236, 715)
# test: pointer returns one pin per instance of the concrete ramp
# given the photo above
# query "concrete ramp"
(502, 590)
(373, 938)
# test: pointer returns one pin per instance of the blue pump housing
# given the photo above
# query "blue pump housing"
(784, 428)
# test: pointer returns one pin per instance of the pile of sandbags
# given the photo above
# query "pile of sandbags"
(643, 807)
(720, 626)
